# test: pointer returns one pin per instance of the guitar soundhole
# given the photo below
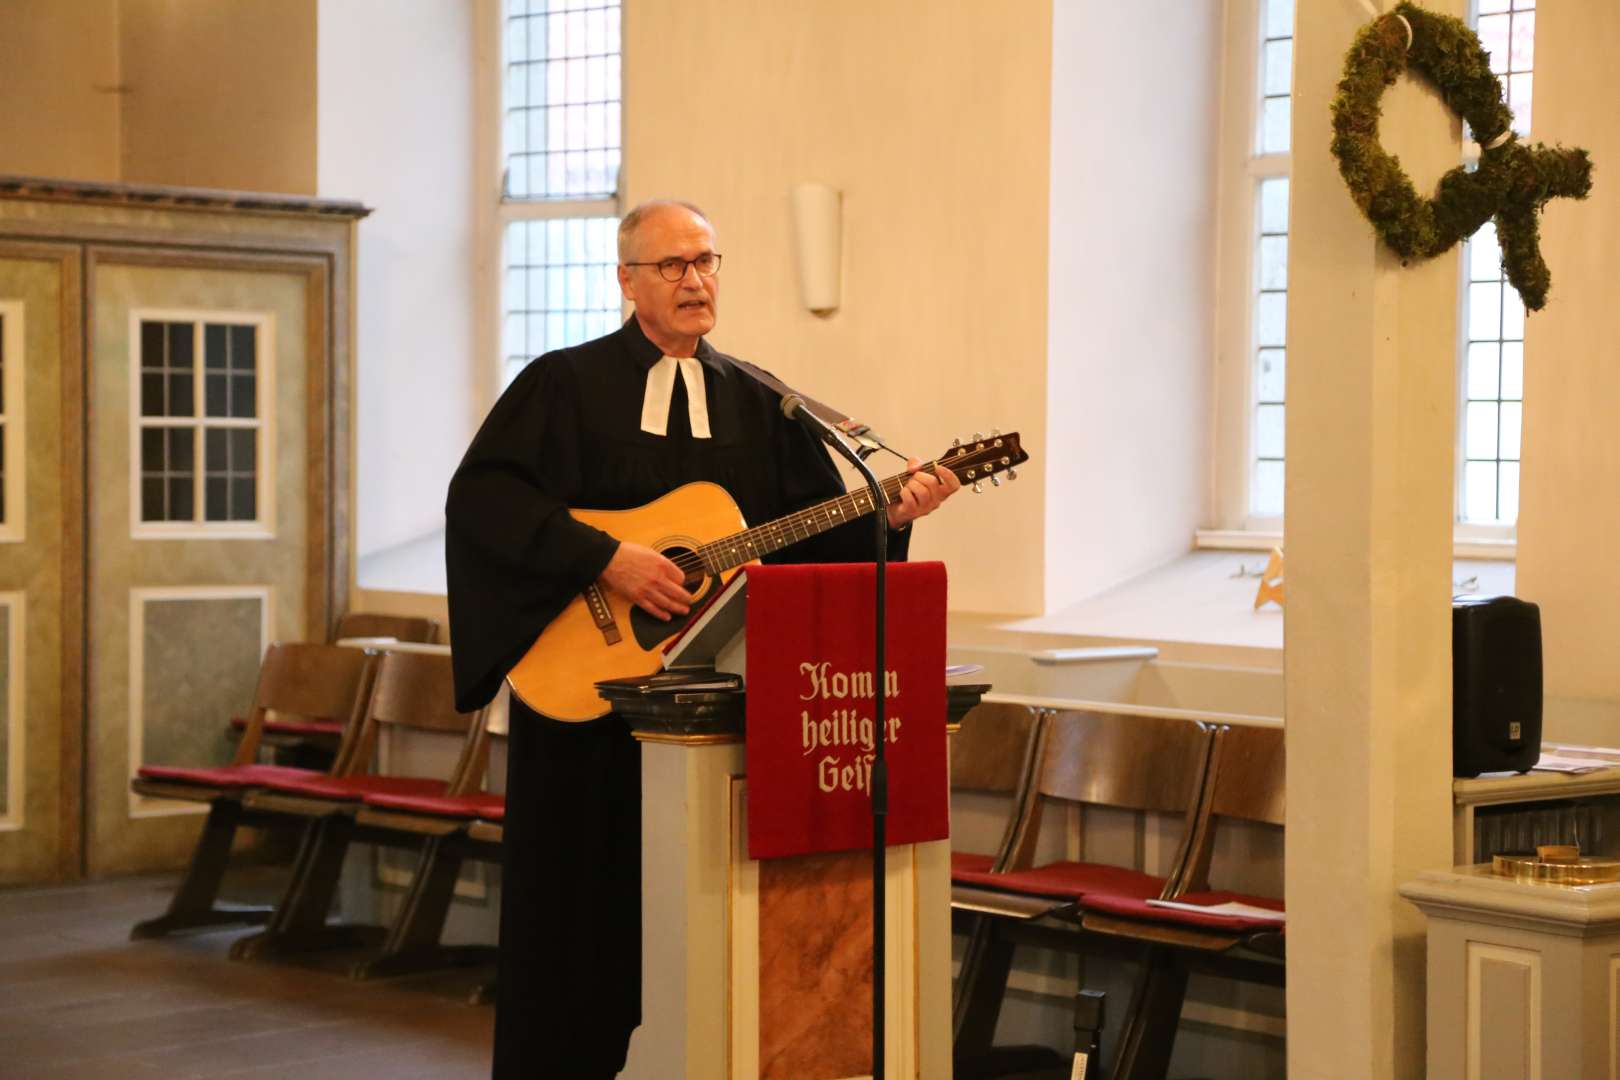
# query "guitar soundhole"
(650, 632)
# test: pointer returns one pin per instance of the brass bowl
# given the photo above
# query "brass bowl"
(1558, 870)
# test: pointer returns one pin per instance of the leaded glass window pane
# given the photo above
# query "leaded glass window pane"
(562, 98)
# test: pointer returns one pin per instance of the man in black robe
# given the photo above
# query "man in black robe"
(611, 424)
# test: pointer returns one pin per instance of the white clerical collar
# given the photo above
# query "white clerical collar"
(661, 384)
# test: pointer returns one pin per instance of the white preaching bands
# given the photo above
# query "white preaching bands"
(661, 385)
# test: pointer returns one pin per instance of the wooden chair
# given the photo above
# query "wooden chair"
(412, 691)
(488, 835)
(368, 624)
(1246, 784)
(993, 753)
(451, 830)
(1142, 764)
(310, 742)
(316, 681)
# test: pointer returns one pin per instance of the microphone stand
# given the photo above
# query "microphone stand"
(793, 407)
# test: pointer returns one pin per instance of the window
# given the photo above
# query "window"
(1492, 315)
(1268, 171)
(1251, 419)
(11, 421)
(559, 209)
(200, 424)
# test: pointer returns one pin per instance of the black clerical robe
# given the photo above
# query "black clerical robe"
(568, 433)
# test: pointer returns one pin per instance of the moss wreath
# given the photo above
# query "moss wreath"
(1513, 181)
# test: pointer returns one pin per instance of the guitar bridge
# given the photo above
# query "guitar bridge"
(602, 615)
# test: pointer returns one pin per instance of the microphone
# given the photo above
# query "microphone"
(794, 408)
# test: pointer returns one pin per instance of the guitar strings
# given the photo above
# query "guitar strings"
(769, 537)
(696, 563)
(762, 540)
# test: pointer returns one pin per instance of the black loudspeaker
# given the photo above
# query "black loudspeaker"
(1496, 685)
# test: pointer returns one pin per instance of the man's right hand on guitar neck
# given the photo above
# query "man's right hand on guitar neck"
(648, 580)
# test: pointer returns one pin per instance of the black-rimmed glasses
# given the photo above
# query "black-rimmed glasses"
(708, 264)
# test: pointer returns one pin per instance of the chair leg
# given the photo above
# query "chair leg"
(980, 986)
(1150, 1029)
(299, 923)
(194, 902)
(413, 939)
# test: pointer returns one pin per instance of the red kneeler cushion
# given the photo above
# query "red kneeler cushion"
(966, 862)
(1132, 908)
(481, 805)
(228, 776)
(356, 788)
(1067, 881)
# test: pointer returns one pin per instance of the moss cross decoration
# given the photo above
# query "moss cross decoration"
(1513, 181)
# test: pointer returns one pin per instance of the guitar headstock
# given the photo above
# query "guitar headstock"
(985, 457)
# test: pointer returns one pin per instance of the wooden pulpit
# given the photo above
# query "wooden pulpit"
(763, 968)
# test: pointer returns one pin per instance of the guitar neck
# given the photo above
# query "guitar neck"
(750, 544)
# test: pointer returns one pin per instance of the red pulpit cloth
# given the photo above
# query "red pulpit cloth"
(811, 707)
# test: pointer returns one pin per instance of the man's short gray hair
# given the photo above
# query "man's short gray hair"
(632, 221)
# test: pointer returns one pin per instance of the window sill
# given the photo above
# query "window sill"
(1463, 547)
(1198, 607)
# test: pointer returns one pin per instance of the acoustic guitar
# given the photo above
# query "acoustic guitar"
(601, 635)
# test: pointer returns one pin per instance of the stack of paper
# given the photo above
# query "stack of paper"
(1566, 763)
(1231, 908)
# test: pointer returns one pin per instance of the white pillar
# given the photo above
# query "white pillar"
(1371, 420)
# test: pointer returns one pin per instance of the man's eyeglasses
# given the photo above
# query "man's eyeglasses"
(708, 264)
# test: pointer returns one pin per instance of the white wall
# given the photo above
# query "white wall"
(932, 119)
(396, 116)
(1568, 513)
(1131, 287)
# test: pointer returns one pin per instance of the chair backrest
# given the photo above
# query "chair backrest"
(310, 681)
(367, 624)
(994, 752)
(1148, 764)
(1246, 783)
(417, 691)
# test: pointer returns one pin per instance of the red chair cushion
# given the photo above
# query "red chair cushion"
(1134, 908)
(228, 776)
(356, 788)
(1067, 880)
(296, 727)
(481, 805)
(966, 862)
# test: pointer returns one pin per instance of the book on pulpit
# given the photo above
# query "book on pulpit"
(717, 637)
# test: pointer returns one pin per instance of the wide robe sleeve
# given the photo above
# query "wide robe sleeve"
(514, 556)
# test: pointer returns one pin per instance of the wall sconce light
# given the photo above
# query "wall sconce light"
(818, 228)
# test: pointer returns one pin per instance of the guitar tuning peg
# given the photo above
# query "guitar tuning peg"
(955, 443)
(1012, 474)
(978, 435)
(995, 433)
(995, 481)
(978, 487)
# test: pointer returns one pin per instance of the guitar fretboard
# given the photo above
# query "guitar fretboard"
(738, 548)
